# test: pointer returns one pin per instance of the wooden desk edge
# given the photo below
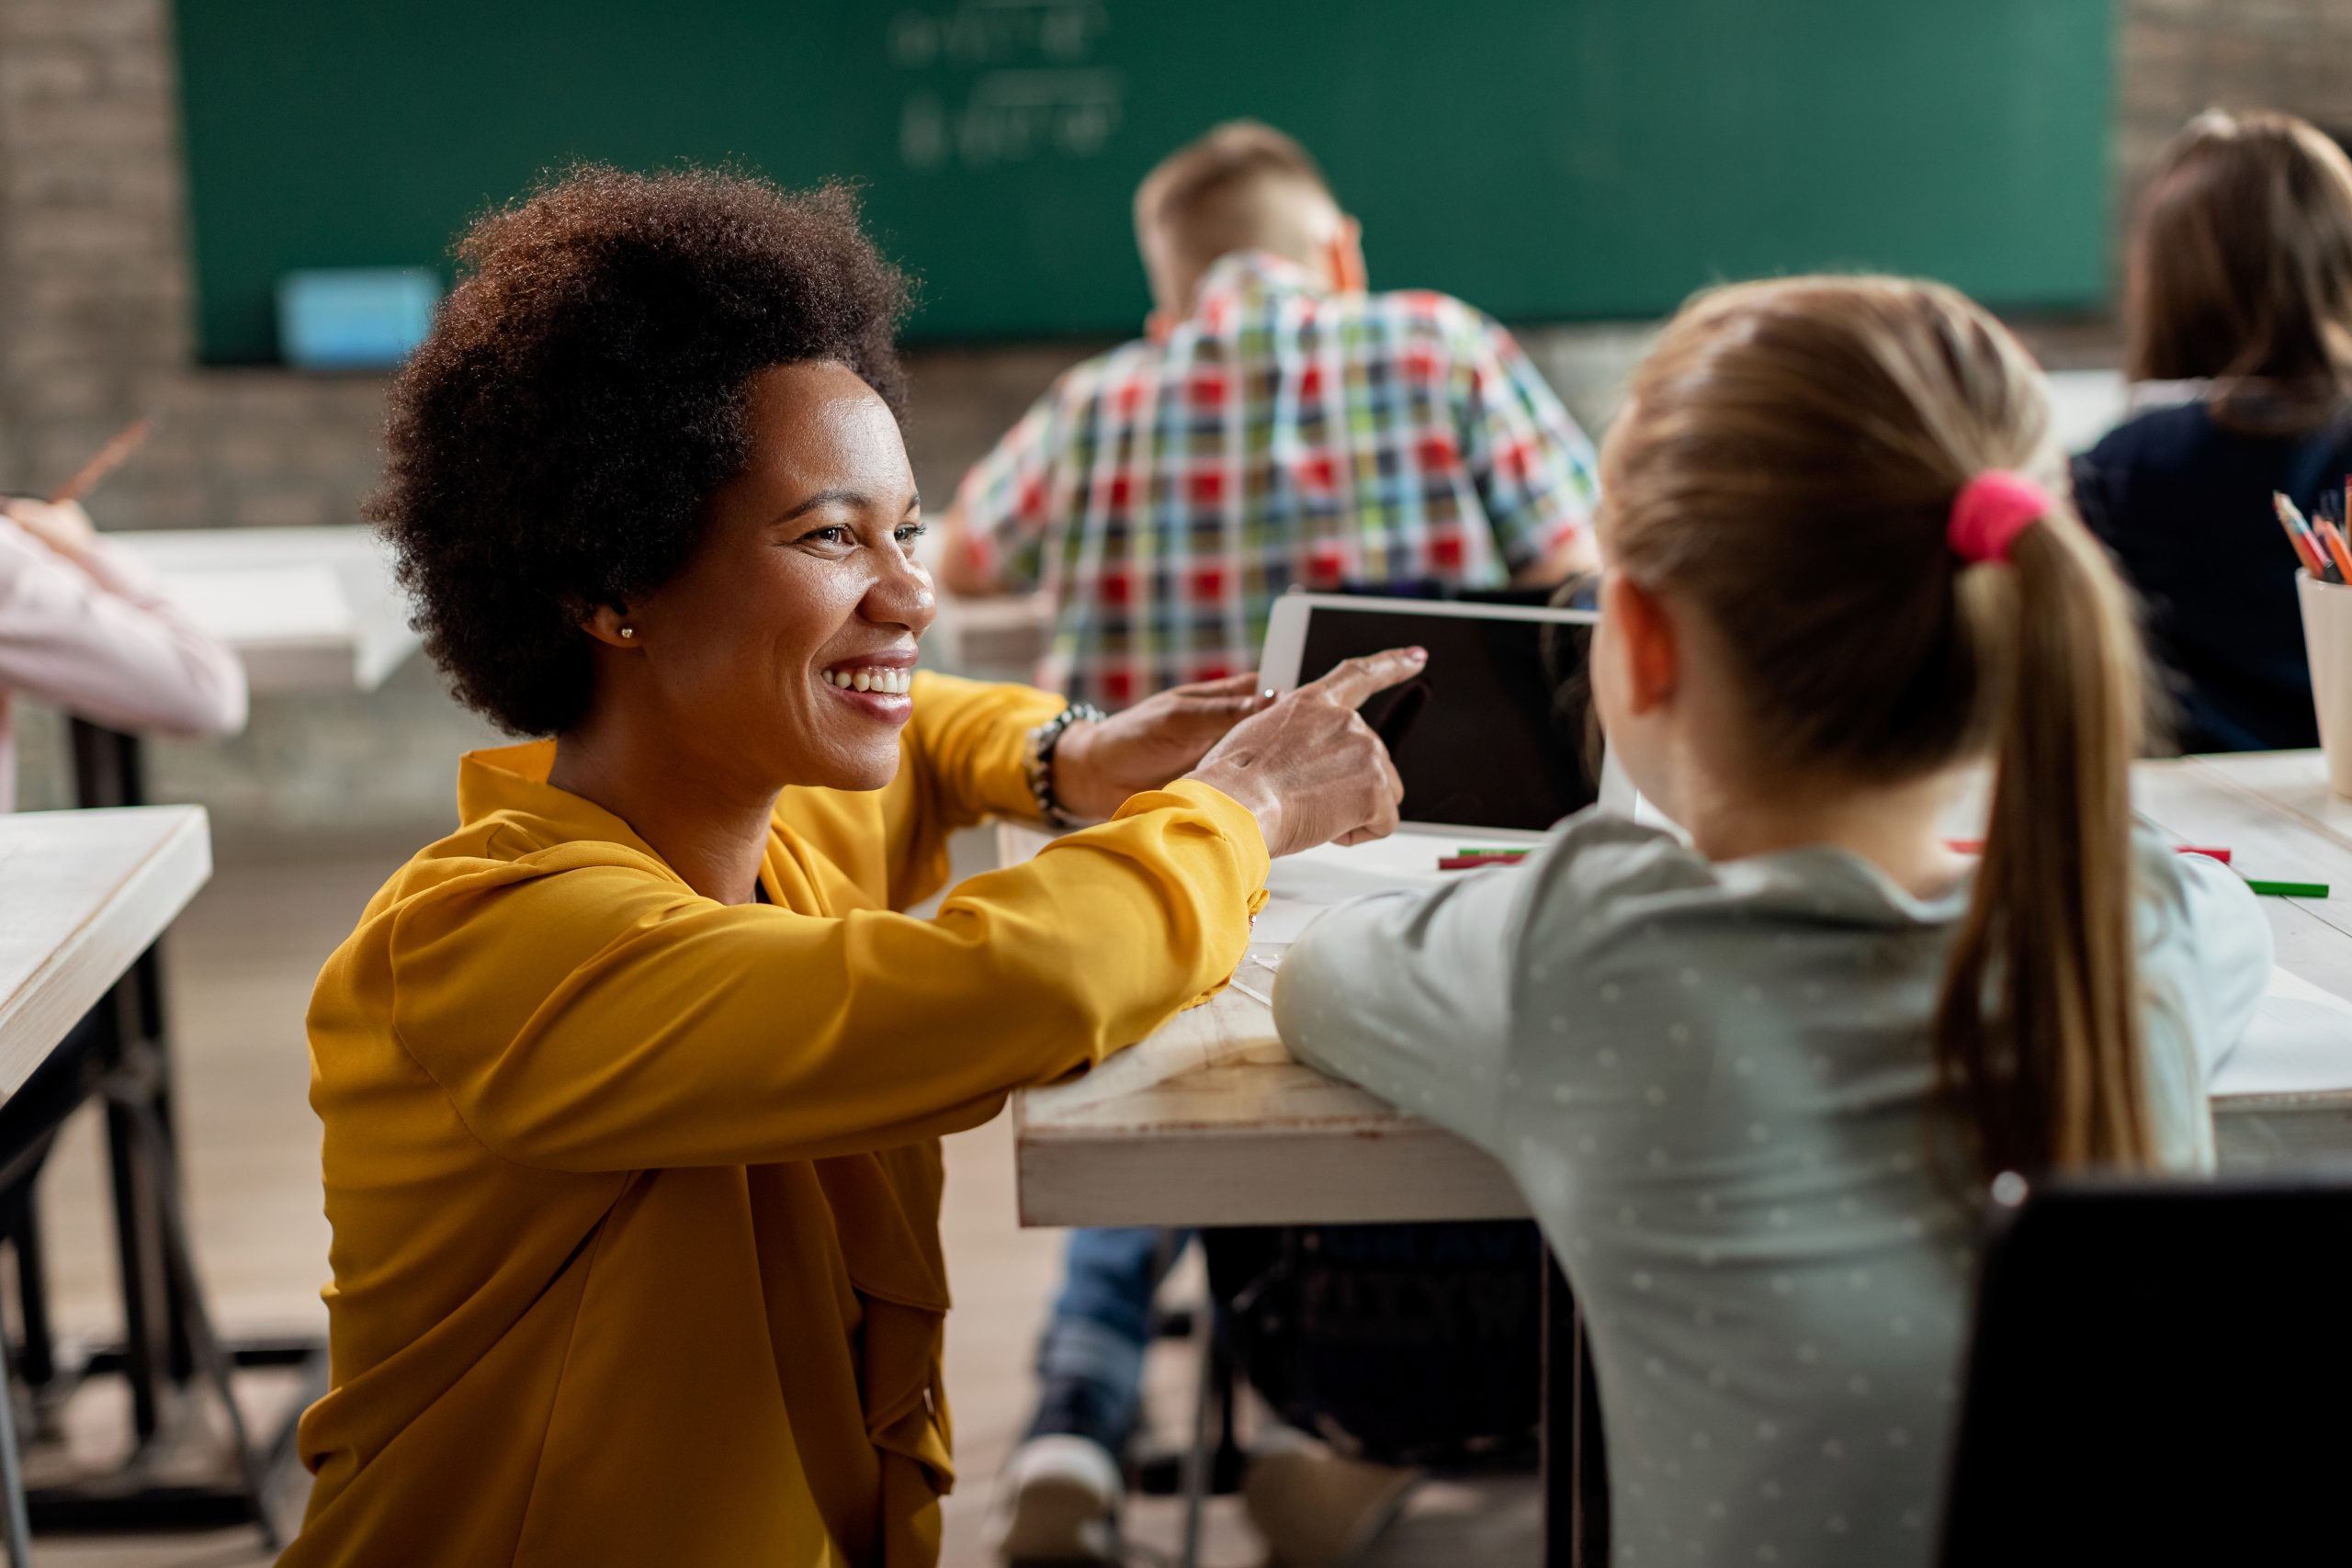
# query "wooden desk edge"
(1259, 1175)
(86, 964)
(1269, 1175)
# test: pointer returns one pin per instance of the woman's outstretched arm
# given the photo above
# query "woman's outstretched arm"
(583, 1013)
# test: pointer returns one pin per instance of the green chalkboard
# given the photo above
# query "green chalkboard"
(1544, 158)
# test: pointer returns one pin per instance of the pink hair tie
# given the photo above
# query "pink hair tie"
(1990, 512)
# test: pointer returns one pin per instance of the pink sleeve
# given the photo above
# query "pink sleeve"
(96, 637)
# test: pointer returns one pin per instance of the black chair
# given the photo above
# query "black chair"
(2161, 1372)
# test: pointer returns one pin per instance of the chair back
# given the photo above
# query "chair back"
(2160, 1371)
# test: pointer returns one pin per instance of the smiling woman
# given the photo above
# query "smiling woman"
(632, 1085)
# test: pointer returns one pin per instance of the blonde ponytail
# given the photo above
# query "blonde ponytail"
(1789, 459)
(2038, 1032)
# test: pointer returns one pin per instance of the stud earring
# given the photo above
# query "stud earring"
(628, 631)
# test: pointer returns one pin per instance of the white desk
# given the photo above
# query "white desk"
(82, 896)
(85, 893)
(1210, 1122)
(2086, 405)
(306, 609)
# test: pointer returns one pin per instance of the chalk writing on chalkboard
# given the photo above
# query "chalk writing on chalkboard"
(1031, 93)
(999, 33)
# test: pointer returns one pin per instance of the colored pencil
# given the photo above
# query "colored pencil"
(2287, 890)
(2303, 536)
(1477, 850)
(109, 457)
(2299, 535)
(2333, 537)
(1472, 862)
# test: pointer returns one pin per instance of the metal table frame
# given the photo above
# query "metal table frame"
(168, 1336)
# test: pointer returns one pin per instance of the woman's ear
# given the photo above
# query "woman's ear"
(610, 625)
(1645, 633)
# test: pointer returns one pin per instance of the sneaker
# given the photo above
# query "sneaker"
(1314, 1508)
(1057, 1501)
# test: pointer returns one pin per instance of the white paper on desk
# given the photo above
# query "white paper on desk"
(1304, 886)
(2300, 1043)
(271, 604)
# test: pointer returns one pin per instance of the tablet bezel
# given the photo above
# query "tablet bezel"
(1287, 642)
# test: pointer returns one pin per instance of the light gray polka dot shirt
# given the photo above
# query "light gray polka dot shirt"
(1712, 1084)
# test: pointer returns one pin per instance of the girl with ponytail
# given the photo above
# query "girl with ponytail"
(1751, 1075)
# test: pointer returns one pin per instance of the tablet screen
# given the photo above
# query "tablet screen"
(1480, 738)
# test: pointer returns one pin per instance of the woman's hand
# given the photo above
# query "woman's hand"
(1098, 766)
(1308, 767)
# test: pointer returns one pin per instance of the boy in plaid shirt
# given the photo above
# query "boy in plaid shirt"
(1277, 426)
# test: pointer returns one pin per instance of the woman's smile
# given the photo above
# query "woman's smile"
(873, 684)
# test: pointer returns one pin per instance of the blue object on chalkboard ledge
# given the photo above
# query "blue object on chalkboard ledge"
(354, 318)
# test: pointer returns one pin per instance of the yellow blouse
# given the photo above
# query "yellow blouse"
(636, 1195)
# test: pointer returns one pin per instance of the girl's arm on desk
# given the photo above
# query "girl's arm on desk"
(1408, 993)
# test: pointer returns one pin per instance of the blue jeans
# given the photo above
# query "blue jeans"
(1089, 1362)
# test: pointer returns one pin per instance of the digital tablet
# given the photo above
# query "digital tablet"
(1495, 736)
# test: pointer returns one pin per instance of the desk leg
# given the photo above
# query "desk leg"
(147, 986)
(1575, 1462)
(38, 1366)
(110, 768)
(12, 1473)
(146, 1304)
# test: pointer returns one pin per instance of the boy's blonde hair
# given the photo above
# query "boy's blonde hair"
(1243, 186)
(1787, 461)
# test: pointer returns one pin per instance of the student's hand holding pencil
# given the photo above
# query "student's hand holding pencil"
(59, 523)
(64, 527)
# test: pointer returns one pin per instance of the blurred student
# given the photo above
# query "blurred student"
(83, 627)
(1278, 426)
(1750, 1080)
(2238, 324)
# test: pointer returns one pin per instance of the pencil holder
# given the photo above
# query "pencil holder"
(2327, 638)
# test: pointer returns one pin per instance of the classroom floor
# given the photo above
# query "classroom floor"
(240, 961)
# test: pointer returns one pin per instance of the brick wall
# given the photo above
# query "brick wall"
(2179, 56)
(95, 296)
(95, 328)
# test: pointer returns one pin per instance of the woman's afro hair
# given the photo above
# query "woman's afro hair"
(553, 443)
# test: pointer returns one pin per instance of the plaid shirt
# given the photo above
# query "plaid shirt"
(1165, 493)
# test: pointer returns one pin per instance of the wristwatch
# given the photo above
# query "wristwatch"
(1037, 759)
